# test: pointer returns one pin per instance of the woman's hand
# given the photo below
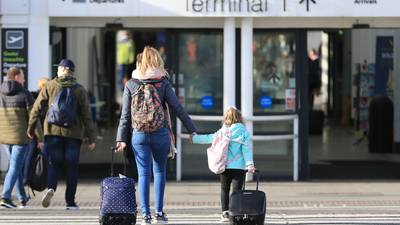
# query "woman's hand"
(120, 146)
(251, 169)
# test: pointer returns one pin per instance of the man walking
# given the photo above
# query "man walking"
(15, 104)
(68, 121)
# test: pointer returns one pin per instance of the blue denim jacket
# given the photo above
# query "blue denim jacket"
(167, 95)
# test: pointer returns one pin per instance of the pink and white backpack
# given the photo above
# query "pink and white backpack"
(217, 153)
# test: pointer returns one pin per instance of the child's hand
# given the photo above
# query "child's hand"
(251, 169)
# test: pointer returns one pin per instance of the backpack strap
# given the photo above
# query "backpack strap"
(137, 86)
(138, 83)
(239, 142)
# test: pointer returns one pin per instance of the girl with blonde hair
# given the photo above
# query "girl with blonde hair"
(240, 156)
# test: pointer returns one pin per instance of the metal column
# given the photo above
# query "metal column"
(229, 63)
(247, 72)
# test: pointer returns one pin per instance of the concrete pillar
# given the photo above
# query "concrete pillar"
(229, 63)
(247, 71)
(38, 42)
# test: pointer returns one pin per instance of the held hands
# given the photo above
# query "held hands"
(251, 169)
(191, 137)
(120, 146)
(92, 146)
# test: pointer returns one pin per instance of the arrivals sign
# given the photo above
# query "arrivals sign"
(224, 8)
(14, 51)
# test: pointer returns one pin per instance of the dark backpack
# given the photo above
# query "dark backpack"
(146, 108)
(37, 172)
(62, 111)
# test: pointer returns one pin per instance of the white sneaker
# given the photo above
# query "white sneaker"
(73, 206)
(46, 200)
(224, 217)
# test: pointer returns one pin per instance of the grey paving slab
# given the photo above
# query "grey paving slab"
(198, 203)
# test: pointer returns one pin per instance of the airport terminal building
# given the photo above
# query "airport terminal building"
(252, 54)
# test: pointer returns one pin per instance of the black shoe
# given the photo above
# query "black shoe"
(161, 218)
(7, 203)
(23, 203)
(72, 206)
(146, 220)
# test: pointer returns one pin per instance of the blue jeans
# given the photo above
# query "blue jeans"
(122, 70)
(28, 159)
(14, 174)
(63, 153)
(146, 145)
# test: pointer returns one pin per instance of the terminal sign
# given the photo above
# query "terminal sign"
(207, 102)
(226, 6)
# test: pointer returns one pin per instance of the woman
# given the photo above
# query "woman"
(154, 144)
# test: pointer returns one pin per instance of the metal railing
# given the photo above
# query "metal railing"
(293, 136)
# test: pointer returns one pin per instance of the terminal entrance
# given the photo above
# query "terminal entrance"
(353, 75)
(194, 60)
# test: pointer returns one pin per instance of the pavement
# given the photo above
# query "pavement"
(365, 202)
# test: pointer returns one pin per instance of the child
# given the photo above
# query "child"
(240, 157)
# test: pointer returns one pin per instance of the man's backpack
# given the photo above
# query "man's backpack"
(217, 153)
(62, 111)
(146, 108)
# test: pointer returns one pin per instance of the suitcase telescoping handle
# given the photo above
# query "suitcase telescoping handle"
(113, 150)
(257, 173)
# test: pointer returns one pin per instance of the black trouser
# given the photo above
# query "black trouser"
(234, 176)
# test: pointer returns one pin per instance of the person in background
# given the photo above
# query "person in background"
(15, 105)
(314, 76)
(240, 156)
(41, 83)
(63, 143)
(33, 145)
(125, 55)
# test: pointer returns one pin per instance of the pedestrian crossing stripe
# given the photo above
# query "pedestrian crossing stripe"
(70, 219)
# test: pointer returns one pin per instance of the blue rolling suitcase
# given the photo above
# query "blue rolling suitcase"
(118, 201)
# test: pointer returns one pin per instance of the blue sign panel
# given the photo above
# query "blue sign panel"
(207, 102)
(384, 63)
(265, 102)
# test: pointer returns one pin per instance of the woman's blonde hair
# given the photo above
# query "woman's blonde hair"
(151, 59)
(232, 116)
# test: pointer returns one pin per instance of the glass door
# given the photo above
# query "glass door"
(274, 101)
(198, 73)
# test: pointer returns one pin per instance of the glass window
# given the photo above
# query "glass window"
(274, 158)
(274, 72)
(200, 74)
